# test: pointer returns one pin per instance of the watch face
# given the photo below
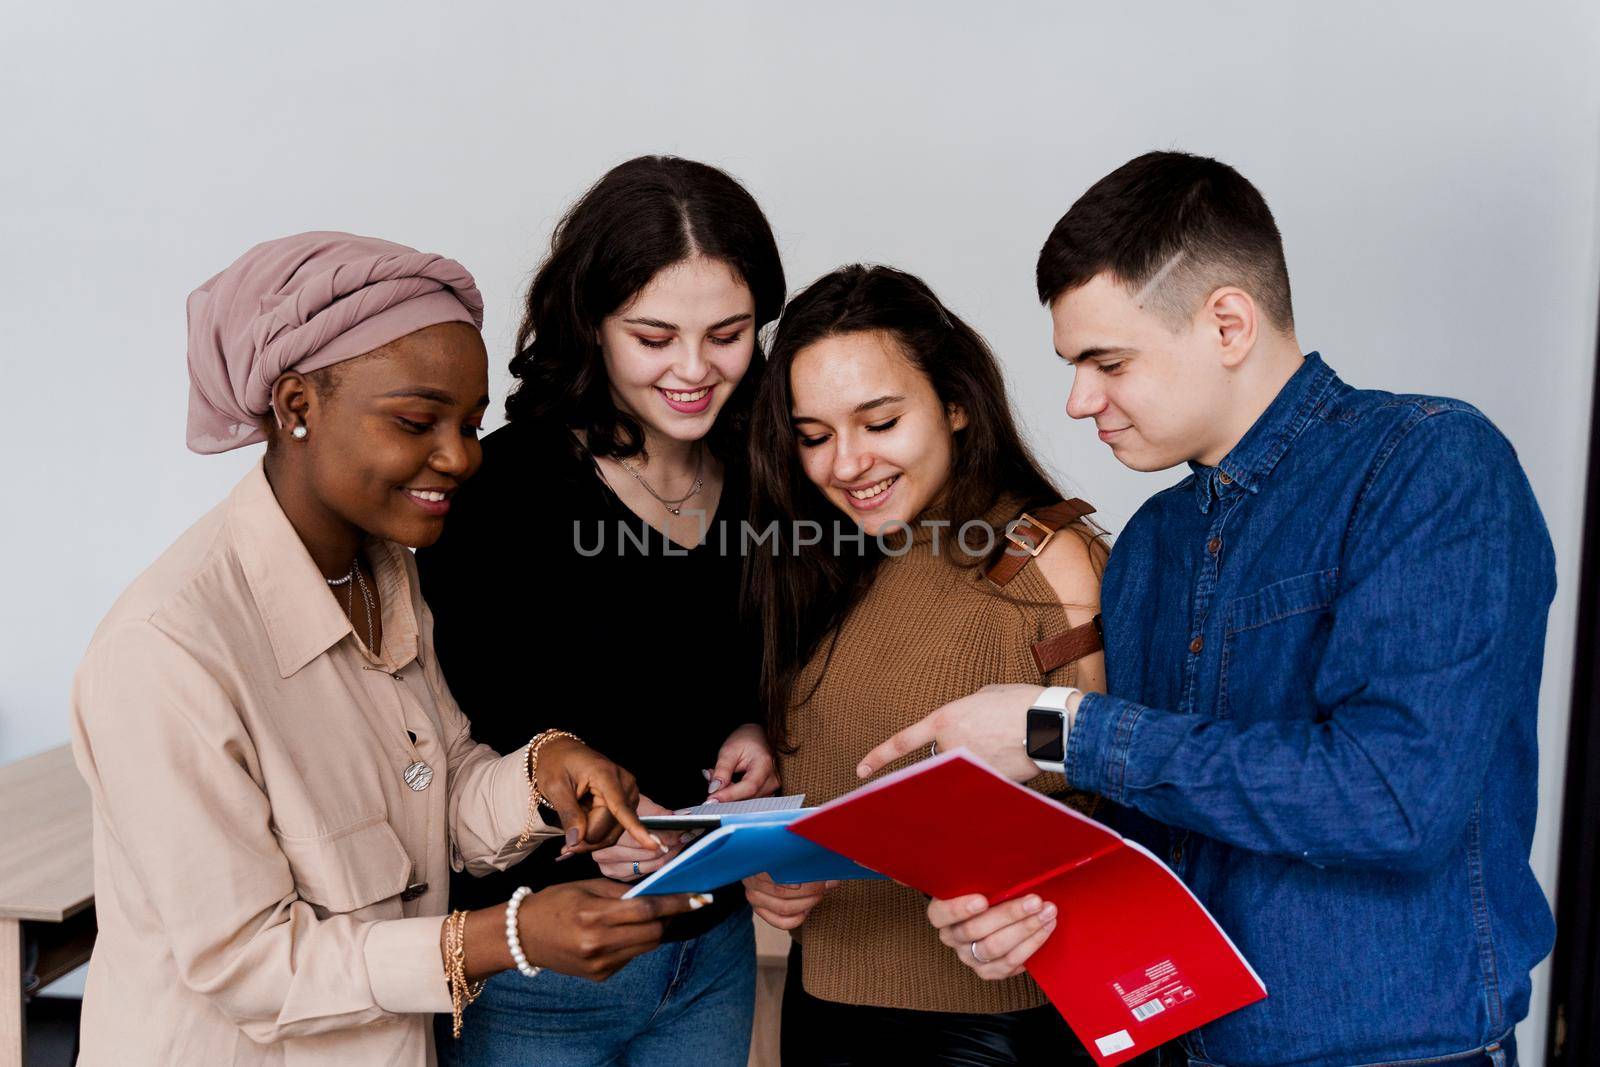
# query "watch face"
(1044, 735)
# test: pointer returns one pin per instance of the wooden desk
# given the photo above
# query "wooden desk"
(46, 882)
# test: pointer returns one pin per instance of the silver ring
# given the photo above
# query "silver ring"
(973, 948)
(933, 748)
(636, 868)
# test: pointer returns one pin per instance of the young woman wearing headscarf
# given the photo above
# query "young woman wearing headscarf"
(282, 782)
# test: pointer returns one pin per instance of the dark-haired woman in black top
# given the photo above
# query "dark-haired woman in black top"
(589, 581)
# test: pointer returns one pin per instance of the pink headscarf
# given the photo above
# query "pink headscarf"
(303, 303)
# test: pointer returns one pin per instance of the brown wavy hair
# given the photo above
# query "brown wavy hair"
(799, 597)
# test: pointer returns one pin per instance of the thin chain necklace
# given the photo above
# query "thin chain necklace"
(673, 506)
(417, 774)
(355, 579)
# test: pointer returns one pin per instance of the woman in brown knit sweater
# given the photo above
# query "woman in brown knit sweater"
(883, 423)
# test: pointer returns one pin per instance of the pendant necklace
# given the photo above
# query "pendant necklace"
(673, 506)
(417, 774)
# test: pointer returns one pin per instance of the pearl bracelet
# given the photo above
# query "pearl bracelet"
(513, 939)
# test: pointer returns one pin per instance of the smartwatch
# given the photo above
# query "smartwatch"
(1047, 729)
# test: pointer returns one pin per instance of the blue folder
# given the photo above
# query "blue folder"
(750, 844)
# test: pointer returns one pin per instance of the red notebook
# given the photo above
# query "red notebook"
(1135, 959)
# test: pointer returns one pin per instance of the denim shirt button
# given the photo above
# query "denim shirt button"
(1197, 644)
(1222, 476)
(1214, 545)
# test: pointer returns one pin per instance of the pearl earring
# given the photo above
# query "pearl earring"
(299, 433)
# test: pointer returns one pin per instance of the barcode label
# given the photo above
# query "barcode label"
(1151, 990)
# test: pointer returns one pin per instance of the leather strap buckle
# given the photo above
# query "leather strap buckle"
(1023, 543)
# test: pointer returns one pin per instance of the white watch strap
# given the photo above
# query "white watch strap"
(1055, 699)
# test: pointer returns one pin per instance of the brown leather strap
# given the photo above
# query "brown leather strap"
(1028, 535)
(1068, 647)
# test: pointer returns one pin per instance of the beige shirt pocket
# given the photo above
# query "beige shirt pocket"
(360, 870)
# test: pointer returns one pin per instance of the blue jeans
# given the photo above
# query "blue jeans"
(1504, 1055)
(686, 1003)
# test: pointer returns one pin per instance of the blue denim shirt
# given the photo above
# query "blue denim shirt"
(1324, 658)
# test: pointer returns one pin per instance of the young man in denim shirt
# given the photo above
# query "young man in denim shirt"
(1323, 645)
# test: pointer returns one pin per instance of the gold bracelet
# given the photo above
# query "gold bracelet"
(531, 768)
(453, 953)
(462, 992)
(450, 950)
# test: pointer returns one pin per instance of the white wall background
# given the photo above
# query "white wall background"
(1434, 167)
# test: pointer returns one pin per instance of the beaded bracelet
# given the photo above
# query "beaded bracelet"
(531, 766)
(513, 939)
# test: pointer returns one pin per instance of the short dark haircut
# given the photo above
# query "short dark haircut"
(643, 216)
(1196, 217)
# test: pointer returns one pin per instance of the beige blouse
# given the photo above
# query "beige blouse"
(268, 887)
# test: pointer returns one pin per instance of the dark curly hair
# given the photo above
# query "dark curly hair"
(644, 216)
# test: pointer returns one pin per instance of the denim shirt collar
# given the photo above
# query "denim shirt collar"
(1250, 461)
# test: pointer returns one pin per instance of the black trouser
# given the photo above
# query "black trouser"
(823, 1033)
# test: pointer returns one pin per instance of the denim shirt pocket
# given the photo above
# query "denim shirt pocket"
(1272, 641)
